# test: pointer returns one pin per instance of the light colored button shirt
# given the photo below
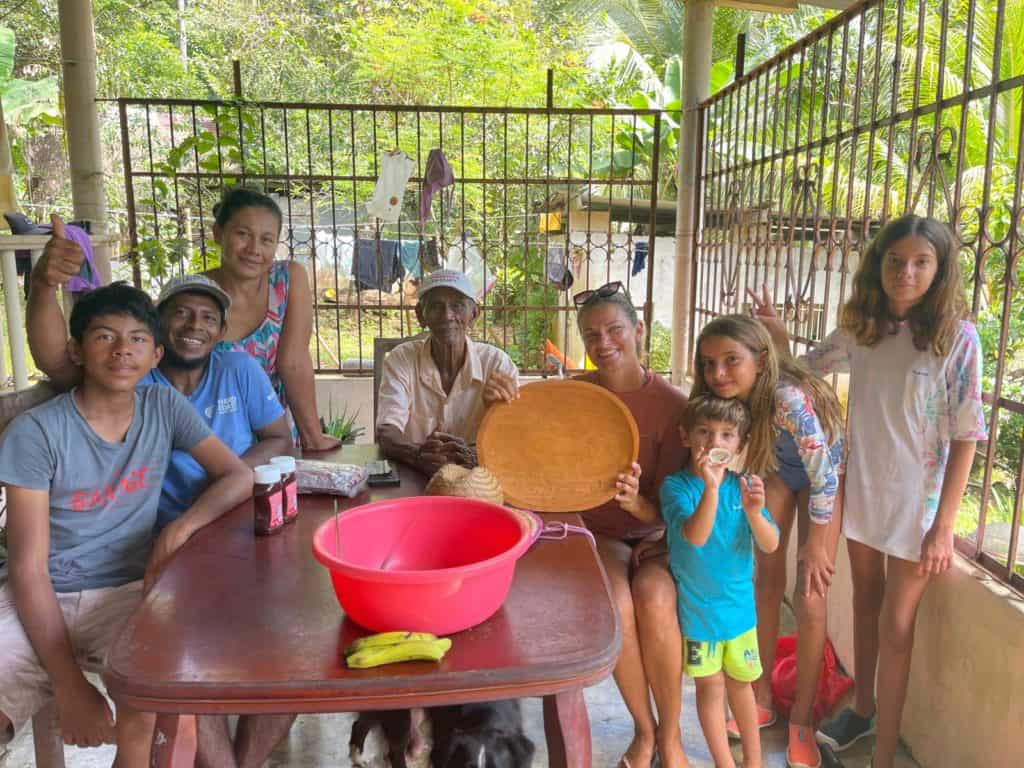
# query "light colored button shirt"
(412, 399)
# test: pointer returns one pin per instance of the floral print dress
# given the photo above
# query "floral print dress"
(262, 343)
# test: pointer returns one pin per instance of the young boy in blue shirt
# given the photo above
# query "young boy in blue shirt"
(712, 515)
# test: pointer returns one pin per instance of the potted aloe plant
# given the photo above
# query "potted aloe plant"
(342, 426)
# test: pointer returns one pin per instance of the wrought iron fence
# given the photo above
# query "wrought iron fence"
(537, 193)
(891, 107)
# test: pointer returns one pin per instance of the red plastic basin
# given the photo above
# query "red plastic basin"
(427, 564)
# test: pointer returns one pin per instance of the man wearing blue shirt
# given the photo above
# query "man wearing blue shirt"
(229, 389)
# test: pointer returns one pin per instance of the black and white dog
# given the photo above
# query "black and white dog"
(403, 736)
(485, 735)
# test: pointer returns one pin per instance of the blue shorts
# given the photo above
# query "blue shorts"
(791, 467)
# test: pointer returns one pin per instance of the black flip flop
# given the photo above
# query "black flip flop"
(828, 757)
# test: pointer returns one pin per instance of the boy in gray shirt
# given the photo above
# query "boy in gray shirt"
(83, 475)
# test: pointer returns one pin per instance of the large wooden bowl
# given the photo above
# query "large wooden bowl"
(559, 447)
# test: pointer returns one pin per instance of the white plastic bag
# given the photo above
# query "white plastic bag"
(326, 477)
(465, 257)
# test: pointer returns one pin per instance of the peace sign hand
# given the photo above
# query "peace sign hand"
(763, 310)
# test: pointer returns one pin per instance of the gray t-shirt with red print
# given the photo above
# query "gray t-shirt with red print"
(103, 496)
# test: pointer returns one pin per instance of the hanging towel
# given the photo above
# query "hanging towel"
(395, 169)
(438, 175)
(410, 250)
(639, 256)
(375, 269)
(557, 267)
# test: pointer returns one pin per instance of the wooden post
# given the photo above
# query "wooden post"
(81, 121)
(696, 84)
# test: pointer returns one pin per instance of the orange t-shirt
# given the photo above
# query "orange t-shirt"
(656, 406)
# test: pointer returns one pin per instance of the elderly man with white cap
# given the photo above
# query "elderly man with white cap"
(434, 391)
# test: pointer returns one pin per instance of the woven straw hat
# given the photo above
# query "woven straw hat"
(454, 480)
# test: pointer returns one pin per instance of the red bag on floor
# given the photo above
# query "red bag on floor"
(831, 685)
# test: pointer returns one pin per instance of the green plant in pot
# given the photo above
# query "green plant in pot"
(342, 426)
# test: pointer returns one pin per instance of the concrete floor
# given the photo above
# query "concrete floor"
(323, 740)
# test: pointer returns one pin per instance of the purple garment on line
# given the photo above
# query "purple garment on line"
(89, 278)
(437, 175)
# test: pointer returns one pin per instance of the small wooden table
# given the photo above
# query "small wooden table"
(242, 624)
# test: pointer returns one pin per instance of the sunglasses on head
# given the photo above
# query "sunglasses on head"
(606, 290)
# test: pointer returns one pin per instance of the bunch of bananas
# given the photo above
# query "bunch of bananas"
(393, 647)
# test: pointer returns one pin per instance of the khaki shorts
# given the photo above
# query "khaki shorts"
(93, 618)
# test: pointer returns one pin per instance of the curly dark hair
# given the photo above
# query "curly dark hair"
(119, 299)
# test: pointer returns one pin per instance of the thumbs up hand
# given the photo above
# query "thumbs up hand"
(58, 226)
(62, 258)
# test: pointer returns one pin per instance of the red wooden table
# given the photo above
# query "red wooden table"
(243, 624)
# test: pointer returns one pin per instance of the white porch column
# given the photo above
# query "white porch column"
(78, 61)
(15, 323)
(696, 75)
(7, 203)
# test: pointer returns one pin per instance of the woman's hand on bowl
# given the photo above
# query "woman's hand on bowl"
(627, 490)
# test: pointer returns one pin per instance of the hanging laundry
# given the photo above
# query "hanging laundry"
(410, 252)
(88, 276)
(557, 267)
(395, 169)
(639, 256)
(429, 259)
(437, 175)
(377, 265)
(550, 222)
(465, 257)
(334, 252)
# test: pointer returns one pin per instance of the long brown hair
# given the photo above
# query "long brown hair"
(935, 319)
(761, 403)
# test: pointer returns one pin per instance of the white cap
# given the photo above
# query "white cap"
(285, 463)
(447, 278)
(267, 474)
